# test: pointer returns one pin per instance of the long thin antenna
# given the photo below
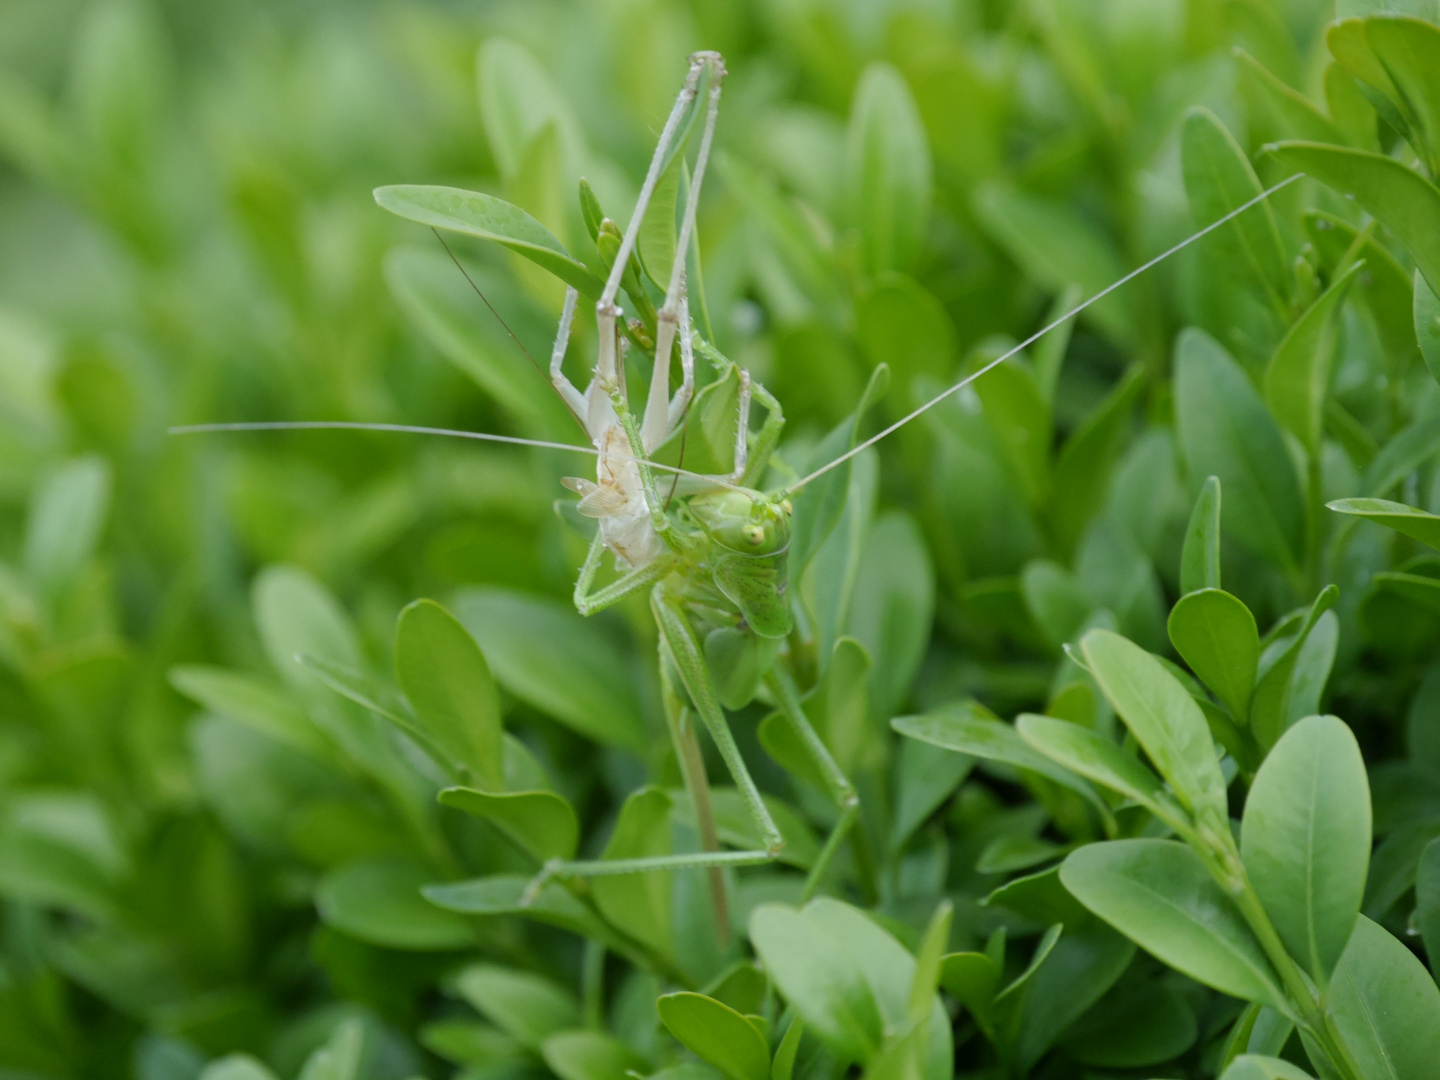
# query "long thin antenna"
(501, 320)
(1076, 310)
(486, 300)
(411, 429)
(356, 425)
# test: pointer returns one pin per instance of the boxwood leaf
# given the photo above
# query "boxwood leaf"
(1427, 324)
(887, 170)
(1165, 719)
(1096, 758)
(1215, 634)
(1226, 431)
(590, 1055)
(1257, 1067)
(1270, 711)
(522, 1004)
(639, 904)
(1200, 555)
(1409, 51)
(540, 822)
(1399, 198)
(967, 730)
(500, 894)
(1135, 1026)
(1297, 379)
(819, 977)
(476, 214)
(1386, 1006)
(548, 656)
(1427, 901)
(379, 900)
(716, 1033)
(1218, 178)
(1305, 839)
(1159, 894)
(444, 674)
(1409, 520)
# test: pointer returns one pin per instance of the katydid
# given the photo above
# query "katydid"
(713, 550)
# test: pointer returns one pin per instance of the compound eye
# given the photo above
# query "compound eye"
(787, 506)
(755, 534)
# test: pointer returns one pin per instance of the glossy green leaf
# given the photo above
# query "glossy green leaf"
(1257, 1067)
(819, 978)
(1427, 324)
(783, 1067)
(887, 170)
(902, 324)
(1409, 51)
(1163, 717)
(522, 1004)
(296, 617)
(1295, 114)
(379, 901)
(1270, 705)
(1085, 467)
(1057, 247)
(973, 979)
(1218, 178)
(1158, 893)
(1427, 901)
(968, 731)
(923, 780)
(1297, 379)
(253, 703)
(236, 1067)
(67, 514)
(1227, 432)
(501, 894)
(1386, 1006)
(1200, 556)
(540, 822)
(1306, 839)
(639, 904)
(1215, 634)
(1398, 197)
(589, 1055)
(1096, 758)
(716, 1033)
(444, 674)
(1409, 520)
(547, 655)
(1134, 1027)
(489, 218)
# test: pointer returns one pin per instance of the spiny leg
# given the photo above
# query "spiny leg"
(606, 311)
(836, 783)
(674, 312)
(689, 663)
(680, 719)
(572, 397)
(588, 603)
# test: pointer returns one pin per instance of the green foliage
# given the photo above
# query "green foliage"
(1097, 732)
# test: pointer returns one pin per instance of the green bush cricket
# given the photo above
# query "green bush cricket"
(714, 551)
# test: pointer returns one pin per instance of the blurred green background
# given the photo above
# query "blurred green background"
(187, 235)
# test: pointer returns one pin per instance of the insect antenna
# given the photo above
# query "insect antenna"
(413, 429)
(501, 320)
(1059, 321)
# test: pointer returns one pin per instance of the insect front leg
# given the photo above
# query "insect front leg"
(587, 602)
